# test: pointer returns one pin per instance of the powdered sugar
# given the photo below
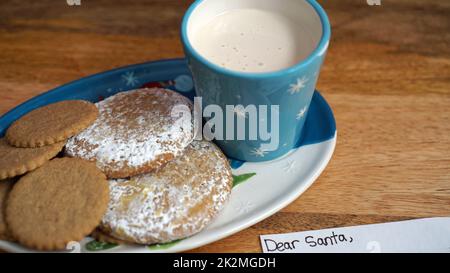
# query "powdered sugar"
(133, 129)
(172, 203)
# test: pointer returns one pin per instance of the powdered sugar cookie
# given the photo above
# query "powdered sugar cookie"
(100, 236)
(136, 132)
(174, 202)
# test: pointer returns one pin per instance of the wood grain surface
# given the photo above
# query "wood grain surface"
(387, 78)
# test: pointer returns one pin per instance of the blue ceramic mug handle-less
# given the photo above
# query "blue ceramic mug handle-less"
(291, 89)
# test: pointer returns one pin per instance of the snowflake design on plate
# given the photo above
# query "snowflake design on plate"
(298, 86)
(244, 207)
(184, 83)
(130, 79)
(259, 152)
(301, 113)
(289, 167)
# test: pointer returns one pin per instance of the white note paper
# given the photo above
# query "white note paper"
(422, 235)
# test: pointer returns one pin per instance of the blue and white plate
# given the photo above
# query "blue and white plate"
(261, 189)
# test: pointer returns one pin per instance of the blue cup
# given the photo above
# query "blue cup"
(286, 94)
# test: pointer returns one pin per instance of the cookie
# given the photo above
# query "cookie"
(136, 132)
(62, 201)
(100, 236)
(51, 124)
(16, 161)
(5, 188)
(174, 202)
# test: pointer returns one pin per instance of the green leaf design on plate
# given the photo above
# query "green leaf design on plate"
(97, 246)
(164, 246)
(238, 179)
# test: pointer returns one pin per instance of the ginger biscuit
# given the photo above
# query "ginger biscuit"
(62, 201)
(136, 132)
(51, 124)
(16, 161)
(5, 188)
(174, 202)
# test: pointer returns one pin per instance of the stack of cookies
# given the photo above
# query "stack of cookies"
(131, 174)
(55, 200)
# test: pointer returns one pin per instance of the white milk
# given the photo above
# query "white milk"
(253, 40)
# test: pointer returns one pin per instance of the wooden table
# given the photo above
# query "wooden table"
(387, 78)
